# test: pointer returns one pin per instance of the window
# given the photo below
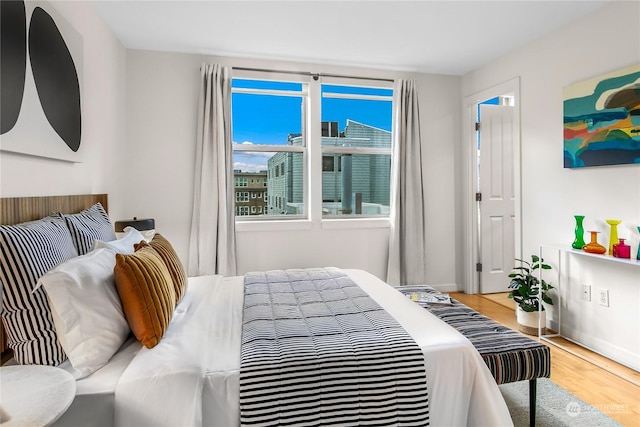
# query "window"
(241, 181)
(242, 196)
(327, 163)
(242, 210)
(349, 146)
(268, 135)
(356, 150)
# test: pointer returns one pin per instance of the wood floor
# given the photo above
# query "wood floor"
(615, 394)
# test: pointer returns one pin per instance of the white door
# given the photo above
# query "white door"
(497, 204)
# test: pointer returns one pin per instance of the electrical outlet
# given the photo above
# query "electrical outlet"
(586, 292)
(603, 297)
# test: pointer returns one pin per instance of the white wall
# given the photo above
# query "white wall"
(102, 122)
(599, 43)
(162, 96)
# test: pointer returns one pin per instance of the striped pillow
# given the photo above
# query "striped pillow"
(146, 291)
(88, 226)
(171, 260)
(28, 251)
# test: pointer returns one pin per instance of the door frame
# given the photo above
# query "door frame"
(470, 211)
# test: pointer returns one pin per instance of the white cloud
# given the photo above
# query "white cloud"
(251, 161)
(249, 167)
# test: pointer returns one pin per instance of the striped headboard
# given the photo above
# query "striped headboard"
(14, 210)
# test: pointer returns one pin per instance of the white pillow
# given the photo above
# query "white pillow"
(147, 234)
(86, 309)
(123, 245)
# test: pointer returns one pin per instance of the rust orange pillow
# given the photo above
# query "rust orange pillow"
(147, 294)
(171, 260)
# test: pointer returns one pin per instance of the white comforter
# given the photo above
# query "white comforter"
(191, 377)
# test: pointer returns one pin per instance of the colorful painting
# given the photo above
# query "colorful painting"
(602, 120)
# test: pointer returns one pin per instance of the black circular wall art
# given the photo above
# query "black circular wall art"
(55, 77)
(13, 63)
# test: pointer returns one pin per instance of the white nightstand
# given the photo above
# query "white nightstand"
(34, 395)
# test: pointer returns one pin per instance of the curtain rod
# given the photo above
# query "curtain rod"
(314, 75)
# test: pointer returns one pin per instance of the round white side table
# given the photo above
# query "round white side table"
(34, 395)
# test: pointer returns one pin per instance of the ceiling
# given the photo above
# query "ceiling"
(444, 37)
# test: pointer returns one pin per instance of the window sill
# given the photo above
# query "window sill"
(352, 223)
(274, 225)
(305, 224)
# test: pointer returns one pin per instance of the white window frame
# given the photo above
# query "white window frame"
(331, 150)
(312, 152)
(303, 149)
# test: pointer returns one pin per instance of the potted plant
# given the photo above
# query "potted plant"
(525, 291)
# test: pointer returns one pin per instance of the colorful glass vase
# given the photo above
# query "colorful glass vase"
(594, 247)
(578, 242)
(613, 234)
(621, 250)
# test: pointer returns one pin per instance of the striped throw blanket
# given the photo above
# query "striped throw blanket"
(318, 351)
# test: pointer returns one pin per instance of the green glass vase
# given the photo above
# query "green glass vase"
(578, 242)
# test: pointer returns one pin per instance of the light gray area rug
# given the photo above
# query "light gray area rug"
(556, 406)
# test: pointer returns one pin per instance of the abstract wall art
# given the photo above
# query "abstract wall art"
(41, 68)
(602, 120)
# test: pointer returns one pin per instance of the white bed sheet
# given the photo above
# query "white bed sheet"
(191, 377)
(94, 404)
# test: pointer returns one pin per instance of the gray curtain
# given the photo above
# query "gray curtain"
(406, 240)
(212, 248)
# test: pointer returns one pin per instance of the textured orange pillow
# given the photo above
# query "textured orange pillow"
(171, 260)
(146, 290)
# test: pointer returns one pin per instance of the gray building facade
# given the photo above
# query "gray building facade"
(351, 183)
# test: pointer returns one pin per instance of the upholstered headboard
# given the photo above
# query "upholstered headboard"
(14, 210)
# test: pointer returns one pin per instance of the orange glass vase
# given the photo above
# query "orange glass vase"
(594, 247)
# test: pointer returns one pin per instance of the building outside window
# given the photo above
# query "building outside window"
(252, 199)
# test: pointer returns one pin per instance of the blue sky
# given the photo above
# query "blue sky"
(267, 119)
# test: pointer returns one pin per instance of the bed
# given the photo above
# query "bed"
(191, 377)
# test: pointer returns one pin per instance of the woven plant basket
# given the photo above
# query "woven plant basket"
(528, 321)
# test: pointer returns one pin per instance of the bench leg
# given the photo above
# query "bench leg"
(532, 402)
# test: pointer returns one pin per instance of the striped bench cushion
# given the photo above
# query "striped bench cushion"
(510, 355)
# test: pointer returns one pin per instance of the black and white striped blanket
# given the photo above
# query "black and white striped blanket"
(317, 350)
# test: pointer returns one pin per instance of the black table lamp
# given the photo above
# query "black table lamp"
(139, 224)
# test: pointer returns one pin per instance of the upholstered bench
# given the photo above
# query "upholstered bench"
(510, 355)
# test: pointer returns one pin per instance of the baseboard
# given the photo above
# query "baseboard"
(444, 288)
(607, 349)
